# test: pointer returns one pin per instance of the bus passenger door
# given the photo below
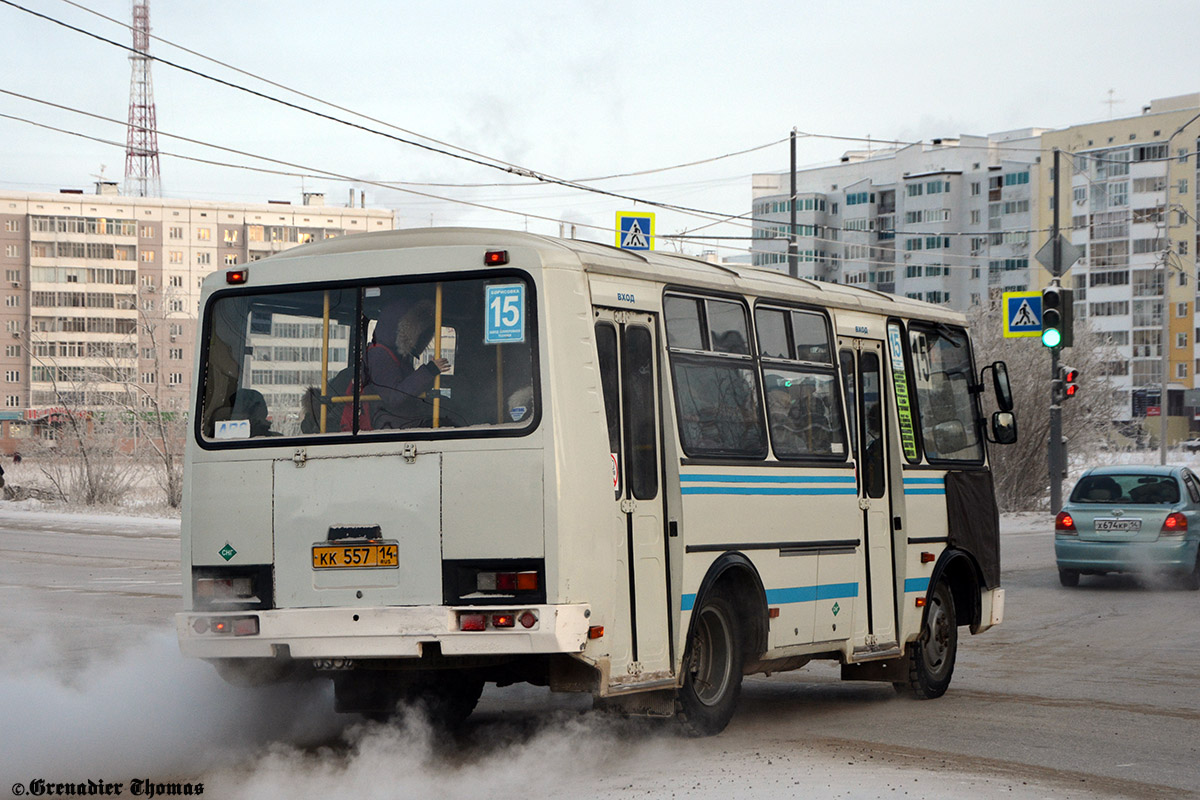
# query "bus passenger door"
(627, 350)
(861, 362)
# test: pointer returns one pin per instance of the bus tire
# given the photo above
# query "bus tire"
(931, 657)
(448, 701)
(1068, 577)
(712, 668)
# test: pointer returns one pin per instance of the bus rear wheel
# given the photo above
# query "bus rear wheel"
(712, 678)
(931, 657)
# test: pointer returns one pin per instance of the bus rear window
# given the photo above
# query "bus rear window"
(369, 360)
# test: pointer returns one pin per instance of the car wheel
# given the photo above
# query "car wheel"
(1068, 577)
(1191, 581)
(931, 657)
(712, 679)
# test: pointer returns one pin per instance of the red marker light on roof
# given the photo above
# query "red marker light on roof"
(237, 276)
(495, 258)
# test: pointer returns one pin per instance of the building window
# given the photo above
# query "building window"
(176, 329)
(176, 305)
(12, 376)
(176, 354)
(148, 378)
(13, 301)
(175, 378)
(147, 231)
(1181, 370)
(1181, 310)
(204, 234)
(12, 225)
(176, 256)
(176, 233)
(204, 259)
(147, 256)
(231, 259)
(176, 281)
(12, 250)
(231, 236)
(1181, 340)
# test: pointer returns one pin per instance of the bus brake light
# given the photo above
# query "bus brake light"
(472, 622)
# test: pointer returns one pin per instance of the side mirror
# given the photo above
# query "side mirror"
(1004, 427)
(1004, 396)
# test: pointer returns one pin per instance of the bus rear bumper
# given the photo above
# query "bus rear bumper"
(389, 632)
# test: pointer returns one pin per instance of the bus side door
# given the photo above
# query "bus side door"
(628, 356)
(862, 370)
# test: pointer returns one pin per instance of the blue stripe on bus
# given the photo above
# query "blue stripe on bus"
(765, 490)
(693, 478)
(794, 594)
(916, 585)
(924, 486)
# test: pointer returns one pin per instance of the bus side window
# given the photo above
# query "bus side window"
(606, 351)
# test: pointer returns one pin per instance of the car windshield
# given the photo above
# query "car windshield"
(1126, 489)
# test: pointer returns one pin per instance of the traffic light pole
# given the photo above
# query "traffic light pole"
(1054, 457)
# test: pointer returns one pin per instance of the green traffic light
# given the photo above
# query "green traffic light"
(1052, 337)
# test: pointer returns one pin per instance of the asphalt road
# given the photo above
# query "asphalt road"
(1085, 692)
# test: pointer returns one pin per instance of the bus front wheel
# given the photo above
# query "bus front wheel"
(931, 657)
(712, 664)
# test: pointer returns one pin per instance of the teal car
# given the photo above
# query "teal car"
(1130, 519)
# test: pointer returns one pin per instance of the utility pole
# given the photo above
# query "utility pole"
(793, 249)
(1054, 454)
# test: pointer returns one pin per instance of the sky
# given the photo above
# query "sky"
(571, 90)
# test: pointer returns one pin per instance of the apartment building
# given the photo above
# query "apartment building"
(1128, 191)
(958, 221)
(947, 221)
(101, 291)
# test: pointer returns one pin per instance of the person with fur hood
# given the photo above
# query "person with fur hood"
(403, 331)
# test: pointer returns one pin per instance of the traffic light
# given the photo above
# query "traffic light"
(1064, 386)
(1058, 314)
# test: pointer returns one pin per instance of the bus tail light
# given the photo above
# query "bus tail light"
(472, 622)
(505, 620)
(596, 632)
(1174, 525)
(528, 619)
(224, 626)
(507, 581)
(224, 588)
(1063, 524)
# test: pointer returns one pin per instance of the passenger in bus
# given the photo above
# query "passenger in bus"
(404, 329)
(249, 404)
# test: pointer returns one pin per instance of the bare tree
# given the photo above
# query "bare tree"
(78, 447)
(1021, 470)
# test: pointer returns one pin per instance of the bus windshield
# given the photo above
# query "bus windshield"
(433, 357)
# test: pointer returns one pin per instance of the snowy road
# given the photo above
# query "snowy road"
(1087, 692)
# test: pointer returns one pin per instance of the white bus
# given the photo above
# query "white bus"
(424, 460)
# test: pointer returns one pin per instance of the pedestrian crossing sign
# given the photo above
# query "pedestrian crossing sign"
(1022, 314)
(635, 230)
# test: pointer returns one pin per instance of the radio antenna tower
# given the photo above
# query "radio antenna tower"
(141, 148)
